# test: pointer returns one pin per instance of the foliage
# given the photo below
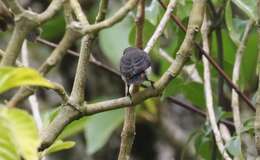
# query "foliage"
(11, 77)
(20, 137)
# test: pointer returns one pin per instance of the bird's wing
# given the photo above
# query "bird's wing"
(126, 67)
(141, 63)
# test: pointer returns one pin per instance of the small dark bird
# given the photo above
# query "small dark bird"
(133, 66)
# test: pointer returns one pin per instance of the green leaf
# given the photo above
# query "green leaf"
(8, 149)
(100, 127)
(184, 8)
(187, 89)
(23, 132)
(54, 28)
(152, 12)
(58, 146)
(114, 40)
(248, 7)
(11, 77)
(233, 32)
(203, 146)
(234, 146)
(74, 127)
(147, 32)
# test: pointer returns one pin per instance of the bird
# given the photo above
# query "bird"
(134, 65)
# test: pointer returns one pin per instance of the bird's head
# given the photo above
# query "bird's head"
(129, 50)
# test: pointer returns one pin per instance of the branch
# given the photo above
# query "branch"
(217, 18)
(235, 77)
(174, 18)
(14, 46)
(128, 132)
(102, 11)
(78, 90)
(212, 61)
(72, 33)
(118, 16)
(33, 102)
(68, 114)
(17, 63)
(68, 17)
(14, 5)
(92, 59)
(195, 110)
(208, 91)
(52, 9)
(70, 36)
(160, 27)
(79, 12)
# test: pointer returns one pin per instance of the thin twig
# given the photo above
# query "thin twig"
(78, 89)
(34, 105)
(118, 16)
(52, 9)
(128, 132)
(235, 77)
(212, 61)
(92, 60)
(160, 27)
(217, 19)
(14, 5)
(67, 115)
(79, 12)
(73, 32)
(195, 110)
(208, 91)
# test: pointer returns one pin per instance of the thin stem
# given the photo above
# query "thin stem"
(68, 114)
(79, 12)
(195, 110)
(118, 16)
(160, 27)
(14, 45)
(208, 91)
(34, 105)
(52, 9)
(235, 77)
(14, 5)
(92, 60)
(212, 61)
(218, 18)
(78, 90)
(57, 54)
(128, 132)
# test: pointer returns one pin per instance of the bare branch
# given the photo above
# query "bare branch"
(52, 9)
(196, 110)
(128, 132)
(160, 27)
(208, 91)
(235, 78)
(79, 12)
(57, 54)
(68, 114)
(212, 61)
(102, 11)
(118, 16)
(15, 44)
(14, 5)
